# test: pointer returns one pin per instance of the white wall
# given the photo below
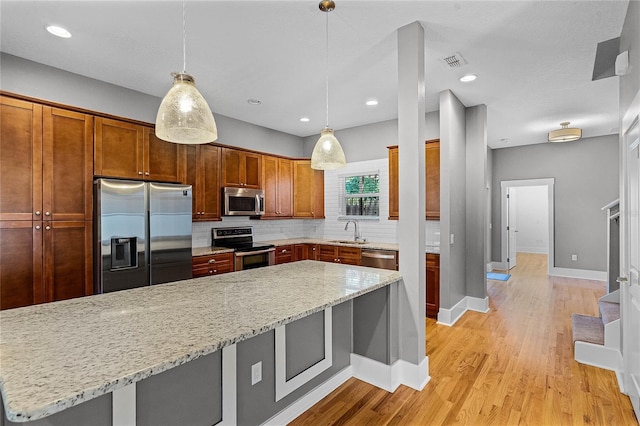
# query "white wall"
(532, 219)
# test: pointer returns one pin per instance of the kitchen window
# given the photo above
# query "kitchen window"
(360, 196)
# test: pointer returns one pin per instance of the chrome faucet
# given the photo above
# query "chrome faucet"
(356, 233)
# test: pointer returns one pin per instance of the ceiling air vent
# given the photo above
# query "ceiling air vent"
(454, 61)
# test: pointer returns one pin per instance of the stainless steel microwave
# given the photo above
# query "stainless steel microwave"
(243, 202)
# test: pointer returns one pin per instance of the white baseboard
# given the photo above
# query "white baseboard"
(598, 356)
(584, 274)
(468, 303)
(498, 266)
(310, 399)
(389, 377)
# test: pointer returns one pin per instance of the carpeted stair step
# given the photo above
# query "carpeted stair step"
(588, 329)
(609, 311)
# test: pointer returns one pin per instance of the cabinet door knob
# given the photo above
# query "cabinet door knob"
(146, 173)
(38, 213)
(47, 213)
(139, 173)
(37, 227)
(47, 227)
(215, 271)
(210, 271)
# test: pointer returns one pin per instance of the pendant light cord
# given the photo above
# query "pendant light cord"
(184, 38)
(327, 75)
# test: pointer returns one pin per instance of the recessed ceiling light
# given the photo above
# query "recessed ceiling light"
(372, 102)
(305, 119)
(467, 78)
(58, 31)
(254, 101)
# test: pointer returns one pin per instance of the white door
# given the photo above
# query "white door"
(630, 268)
(512, 229)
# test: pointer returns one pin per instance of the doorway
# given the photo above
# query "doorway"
(536, 219)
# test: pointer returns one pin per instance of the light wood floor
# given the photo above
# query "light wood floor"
(513, 365)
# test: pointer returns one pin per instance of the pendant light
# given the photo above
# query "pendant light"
(327, 154)
(184, 116)
(565, 134)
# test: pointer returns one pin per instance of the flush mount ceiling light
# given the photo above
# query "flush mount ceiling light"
(468, 78)
(305, 119)
(327, 154)
(184, 116)
(371, 102)
(58, 31)
(565, 134)
(254, 101)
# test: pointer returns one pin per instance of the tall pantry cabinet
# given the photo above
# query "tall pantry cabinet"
(46, 161)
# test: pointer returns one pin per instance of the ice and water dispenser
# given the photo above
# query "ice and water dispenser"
(124, 253)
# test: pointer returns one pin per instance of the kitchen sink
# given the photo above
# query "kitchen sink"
(348, 242)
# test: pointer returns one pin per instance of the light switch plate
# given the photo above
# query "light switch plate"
(256, 373)
(452, 239)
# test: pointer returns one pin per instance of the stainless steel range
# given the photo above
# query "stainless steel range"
(248, 254)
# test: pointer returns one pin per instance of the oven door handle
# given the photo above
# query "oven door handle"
(249, 253)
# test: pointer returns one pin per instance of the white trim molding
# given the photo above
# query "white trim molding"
(311, 398)
(584, 274)
(283, 386)
(229, 385)
(123, 406)
(389, 377)
(451, 316)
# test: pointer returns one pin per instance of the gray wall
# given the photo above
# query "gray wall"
(40, 81)
(476, 201)
(370, 142)
(586, 178)
(452, 200)
(630, 83)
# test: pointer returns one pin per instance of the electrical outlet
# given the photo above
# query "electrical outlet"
(256, 373)
(574, 257)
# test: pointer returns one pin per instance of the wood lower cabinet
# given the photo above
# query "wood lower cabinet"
(214, 264)
(338, 254)
(132, 151)
(285, 254)
(432, 181)
(301, 252)
(203, 174)
(44, 261)
(433, 285)
(277, 182)
(308, 190)
(241, 169)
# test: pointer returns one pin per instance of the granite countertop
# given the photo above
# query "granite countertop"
(57, 355)
(368, 245)
(208, 251)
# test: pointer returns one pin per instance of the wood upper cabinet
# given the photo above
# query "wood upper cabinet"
(67, 166)
(163, 161)
(203, 174)
(20, 160)
(277, 182)
(432, 181)
(394, 204)
(132, 151)
(433, 285)
(308, 190)
(241, 168)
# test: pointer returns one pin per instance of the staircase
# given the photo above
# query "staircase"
(597, 339)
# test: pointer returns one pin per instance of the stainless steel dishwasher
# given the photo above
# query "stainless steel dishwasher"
(384, 259)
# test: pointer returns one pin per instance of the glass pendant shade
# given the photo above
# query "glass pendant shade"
(184, 116)
(565, 134)
(327, 154)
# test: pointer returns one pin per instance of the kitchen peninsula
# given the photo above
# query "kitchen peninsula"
(120, 355)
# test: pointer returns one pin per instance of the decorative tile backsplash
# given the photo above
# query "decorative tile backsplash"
(380, 230)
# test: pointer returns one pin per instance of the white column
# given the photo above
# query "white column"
(411, 177)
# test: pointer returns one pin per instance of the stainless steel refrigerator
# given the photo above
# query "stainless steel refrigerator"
(142, 234)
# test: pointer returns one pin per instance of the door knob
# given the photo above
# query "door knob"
(622, 279)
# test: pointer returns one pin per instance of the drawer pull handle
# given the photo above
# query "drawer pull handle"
(212, 261)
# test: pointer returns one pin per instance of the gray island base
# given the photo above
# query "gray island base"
(251, 347)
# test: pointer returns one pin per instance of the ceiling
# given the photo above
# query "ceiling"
(534, 59)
